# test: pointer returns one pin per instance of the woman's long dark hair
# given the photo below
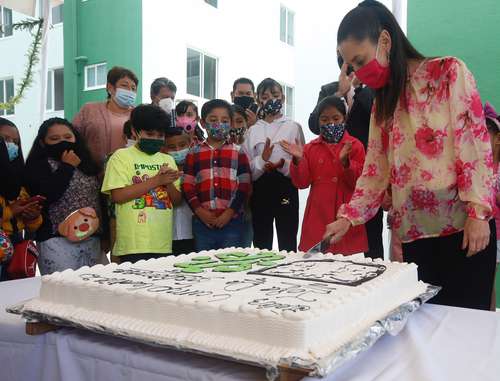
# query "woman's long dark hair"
(38, 151)
(368, 20)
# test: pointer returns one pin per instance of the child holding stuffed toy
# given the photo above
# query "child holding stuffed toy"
(60, 168)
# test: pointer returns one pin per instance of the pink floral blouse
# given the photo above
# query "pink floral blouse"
(435, 154)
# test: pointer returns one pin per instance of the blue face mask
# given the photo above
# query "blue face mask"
(125, 98)
(12, 150)
(218, 131)
(332, 133)
(179, 156)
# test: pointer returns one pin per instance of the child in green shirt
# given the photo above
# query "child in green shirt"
(144, 184)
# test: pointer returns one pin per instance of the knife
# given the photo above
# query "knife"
(320, 247)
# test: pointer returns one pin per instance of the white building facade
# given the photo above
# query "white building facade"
(13, 60)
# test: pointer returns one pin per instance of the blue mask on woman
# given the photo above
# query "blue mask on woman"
(12, 150)
(218, 131)
(332, 133)
(125, 98)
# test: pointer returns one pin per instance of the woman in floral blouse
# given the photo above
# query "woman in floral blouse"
(429, 142)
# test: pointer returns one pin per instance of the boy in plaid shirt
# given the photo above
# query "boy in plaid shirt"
(216, 181)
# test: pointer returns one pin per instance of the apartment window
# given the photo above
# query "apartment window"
(6, 93)
(55, 90)
(287, 25)
(289, 101)
(95, 76)
(6, 21)
(201, 74)
(213, 3)
(57, 14)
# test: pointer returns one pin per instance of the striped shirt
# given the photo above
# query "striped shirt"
(216, 178)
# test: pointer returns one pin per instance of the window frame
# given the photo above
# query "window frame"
(50, 74)
(285, 88)
(85, 71)
(203, 54)
(2, 35)
(53, 90)
(52, 15)
(287, 35)
(216, 6)
(3, 83)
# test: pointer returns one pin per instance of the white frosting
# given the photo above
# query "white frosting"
(298, 307)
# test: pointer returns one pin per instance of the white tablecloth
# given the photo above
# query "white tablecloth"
(438, 343)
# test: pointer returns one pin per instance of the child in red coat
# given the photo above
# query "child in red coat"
(330, 165)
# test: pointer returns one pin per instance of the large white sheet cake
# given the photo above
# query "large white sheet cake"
(250, 304)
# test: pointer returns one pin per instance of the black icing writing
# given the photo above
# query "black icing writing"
(266, 303)
(220, 297)
(346, 273)
(302, 292)
(244, 284)
(176, 275)
(183, 290)
(135, 285)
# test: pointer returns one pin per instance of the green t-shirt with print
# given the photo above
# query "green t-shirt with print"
(143, 225)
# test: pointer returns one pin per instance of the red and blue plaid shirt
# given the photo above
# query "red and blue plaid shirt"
(216, 178)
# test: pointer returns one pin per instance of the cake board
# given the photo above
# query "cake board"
(285, 372)
(292, 369)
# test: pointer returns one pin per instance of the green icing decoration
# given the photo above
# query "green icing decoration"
(226, 257)
(192, 270)
(202, 258)
(267, 263)
(229, 262)
(232, 267)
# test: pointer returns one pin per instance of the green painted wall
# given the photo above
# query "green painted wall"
(99, 31)
(467, 29)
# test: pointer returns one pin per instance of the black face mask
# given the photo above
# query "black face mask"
(55, 151)
(244, 101)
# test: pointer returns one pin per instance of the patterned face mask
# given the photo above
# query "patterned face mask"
(272, 107)
(187, 123)
(237, 133)
(218, 131)
(332, 133)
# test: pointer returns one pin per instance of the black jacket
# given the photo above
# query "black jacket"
(40, 180)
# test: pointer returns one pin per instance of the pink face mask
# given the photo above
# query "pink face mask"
(373, 74)
(187, 123)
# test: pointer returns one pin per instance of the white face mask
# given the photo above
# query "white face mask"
(167, 104)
